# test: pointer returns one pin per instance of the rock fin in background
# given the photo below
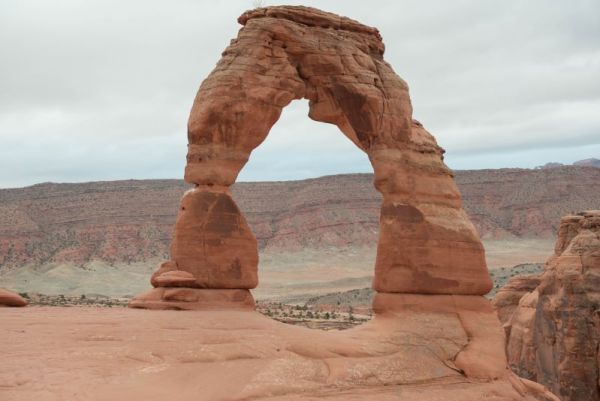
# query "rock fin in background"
(551, 321)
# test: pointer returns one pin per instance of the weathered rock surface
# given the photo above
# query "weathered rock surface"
(554, 331)
(507, 298)
(8, 298)
(123, 222)
(213, 242)
(419, 347)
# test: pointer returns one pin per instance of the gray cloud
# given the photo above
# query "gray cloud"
(102, 89)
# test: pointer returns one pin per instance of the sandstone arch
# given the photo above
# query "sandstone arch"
(427, 245)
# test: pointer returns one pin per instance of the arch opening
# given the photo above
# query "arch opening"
(298, 148)
(317, 234)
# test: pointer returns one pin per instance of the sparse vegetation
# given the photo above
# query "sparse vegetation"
(81, 300)
(312, 316)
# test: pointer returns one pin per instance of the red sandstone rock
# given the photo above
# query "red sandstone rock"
(213, 242)
(554, 332)
(8, 298)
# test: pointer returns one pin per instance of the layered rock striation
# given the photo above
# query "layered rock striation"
(123, 222)
(552, 321)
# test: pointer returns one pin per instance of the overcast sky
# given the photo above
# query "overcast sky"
(101, 89)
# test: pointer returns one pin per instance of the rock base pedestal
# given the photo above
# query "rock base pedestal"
(465, 316)
(170, 298)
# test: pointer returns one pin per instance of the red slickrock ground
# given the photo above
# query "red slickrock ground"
(423, 348)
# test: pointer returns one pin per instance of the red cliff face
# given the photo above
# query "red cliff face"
(552, 322)
(522, 202)
(128, 221)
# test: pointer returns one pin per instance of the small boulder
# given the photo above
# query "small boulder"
(8, 298)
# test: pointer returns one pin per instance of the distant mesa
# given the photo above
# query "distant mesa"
(588, 162)
(592, 162)
(550, 165)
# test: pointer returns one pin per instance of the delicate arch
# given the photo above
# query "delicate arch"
(426, 245)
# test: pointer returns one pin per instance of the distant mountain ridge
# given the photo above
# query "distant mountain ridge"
(592, 162)
(588, 162)
(130, 221)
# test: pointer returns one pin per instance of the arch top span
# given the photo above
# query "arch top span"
(427, 243)
(287, 53)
